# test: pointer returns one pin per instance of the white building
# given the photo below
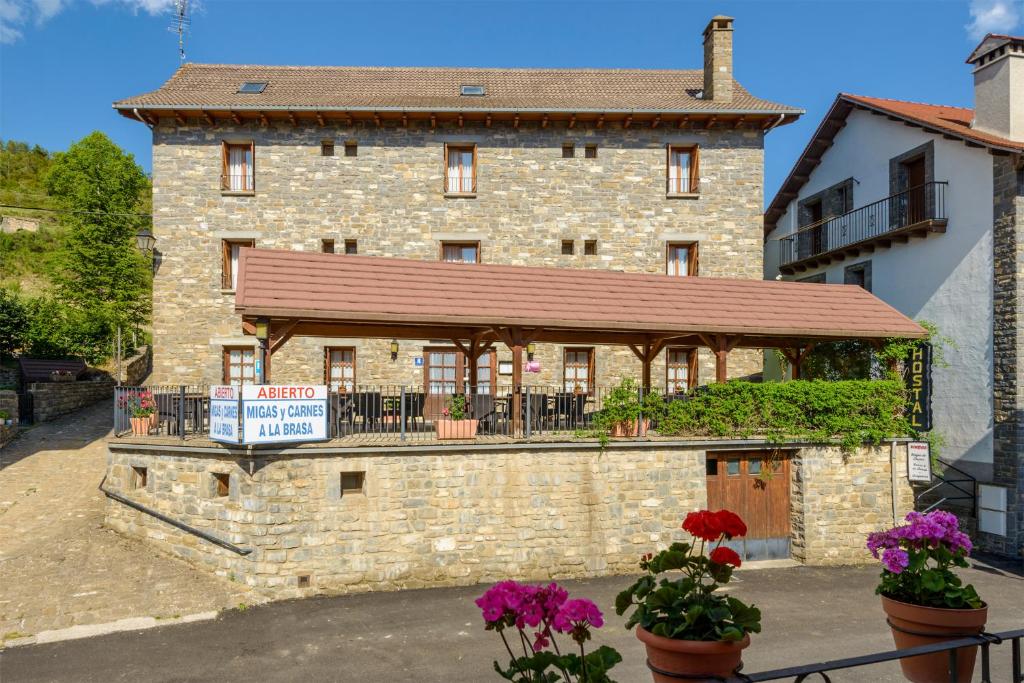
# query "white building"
(924, 205)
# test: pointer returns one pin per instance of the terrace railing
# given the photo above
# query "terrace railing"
(391, 411)
(887, 217)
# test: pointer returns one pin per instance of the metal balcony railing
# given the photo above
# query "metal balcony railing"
(895, 215)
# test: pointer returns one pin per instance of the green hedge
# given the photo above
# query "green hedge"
(853, 412)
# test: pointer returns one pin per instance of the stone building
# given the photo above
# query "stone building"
(923, 205)
(640, 171)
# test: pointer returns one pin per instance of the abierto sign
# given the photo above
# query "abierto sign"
(264, 413)
(224, 414)
(282, 414)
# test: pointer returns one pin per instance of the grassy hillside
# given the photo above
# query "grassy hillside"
(27, 259)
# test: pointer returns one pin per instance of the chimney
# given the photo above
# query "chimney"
(999, 86)
(718, 60)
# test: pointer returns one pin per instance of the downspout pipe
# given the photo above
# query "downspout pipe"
(782, 117)
(135, 111)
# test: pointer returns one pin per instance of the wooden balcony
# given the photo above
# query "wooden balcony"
(916, 212)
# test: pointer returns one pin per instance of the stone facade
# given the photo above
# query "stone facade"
(1008, 348)
(389, 197)
(838, 498)
(53, 399)
(466, 514)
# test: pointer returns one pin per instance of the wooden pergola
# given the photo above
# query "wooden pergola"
(284, 294)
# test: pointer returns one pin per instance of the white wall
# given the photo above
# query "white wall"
(944, 278)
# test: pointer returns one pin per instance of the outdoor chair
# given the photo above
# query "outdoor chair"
(414, 407)
(341, 412)
(482, 408)
(569, 409)
(370, 406)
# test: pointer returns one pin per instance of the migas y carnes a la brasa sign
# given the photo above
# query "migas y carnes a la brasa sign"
(266, 413)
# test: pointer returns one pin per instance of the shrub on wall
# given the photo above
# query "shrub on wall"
(853, 412)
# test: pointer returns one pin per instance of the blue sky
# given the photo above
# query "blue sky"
(62, 62)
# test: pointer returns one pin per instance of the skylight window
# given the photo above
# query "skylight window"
(253, 87)
(473, 90)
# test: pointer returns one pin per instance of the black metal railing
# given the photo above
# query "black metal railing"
(953, 647)
(953, 485)
(894, 213)
(391, 411)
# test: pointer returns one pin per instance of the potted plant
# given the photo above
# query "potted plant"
(545, 610)
(624, 412)
(454, 424)
(5, 418)
(692, 631)
(924, 601)
(141, 408)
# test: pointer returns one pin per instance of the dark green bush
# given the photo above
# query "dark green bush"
(853, 412)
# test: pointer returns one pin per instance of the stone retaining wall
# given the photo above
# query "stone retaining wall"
(466, 515)
(10, 377)
(50, 400)
(135, 369)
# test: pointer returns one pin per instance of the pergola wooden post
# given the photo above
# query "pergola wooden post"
(476, 348)
(721, 345)
(647, 353)
(516, 339)
(796, 356)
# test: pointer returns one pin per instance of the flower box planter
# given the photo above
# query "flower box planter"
(629, 428)
(914, 625)
(456, 429)
(671, 660)
(141, 425)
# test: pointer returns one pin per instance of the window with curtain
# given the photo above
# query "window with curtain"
(340, 369)
(682, 170)
(239, 365)
(460, 252)
(460, 173)
(237, 163)
(578, 370)
(680, 370)
(229, 266)
(681, 259)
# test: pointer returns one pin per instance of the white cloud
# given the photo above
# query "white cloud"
(994, 16)
(16, 14)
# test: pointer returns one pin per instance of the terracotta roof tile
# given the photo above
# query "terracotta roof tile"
(422, 88)
(357, 289)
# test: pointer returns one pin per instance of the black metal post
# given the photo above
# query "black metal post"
(181, 412)
(402, 411)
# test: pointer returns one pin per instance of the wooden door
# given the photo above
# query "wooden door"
(754, 485)
(443, 376)
(916, 209)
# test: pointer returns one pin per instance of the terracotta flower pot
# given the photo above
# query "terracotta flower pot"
(913, 625)
(691, 658)
(628, 428)
(456, 429)
(140, 425)
(154, 420)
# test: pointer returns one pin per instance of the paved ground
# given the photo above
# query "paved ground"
(58, 566)
(436, 635)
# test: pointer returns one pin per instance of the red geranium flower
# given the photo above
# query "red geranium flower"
(723, 555)
(730, 523)
(702, 524)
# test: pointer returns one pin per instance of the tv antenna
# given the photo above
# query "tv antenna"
(181, 24)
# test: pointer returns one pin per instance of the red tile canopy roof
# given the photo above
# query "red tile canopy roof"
(599, 306)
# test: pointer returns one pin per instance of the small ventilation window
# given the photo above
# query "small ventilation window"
(140, 476)
(590, 152)
(351, 247)
(327, 246)
(473, 90)
(568, 150)
(351, 149)
(590, 248)
(352, 482)
(568, 247)
(222, 484)
(252, 87)
(327, 148)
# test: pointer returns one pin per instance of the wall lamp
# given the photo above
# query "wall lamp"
(530, 348)
(262, 329)
(394, 349)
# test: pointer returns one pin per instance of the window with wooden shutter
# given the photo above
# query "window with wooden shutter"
(460, 169)
(578, 370)
(681, 258)
(683, 174)
(340, 368)
(460, 252)
(238, 167)
(230, 251)
(239, 365)
(680, 370)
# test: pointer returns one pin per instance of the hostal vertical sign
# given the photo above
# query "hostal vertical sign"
(263, 413)
(918, 376)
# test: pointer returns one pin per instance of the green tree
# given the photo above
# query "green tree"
(102, 275)
(13, 323)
